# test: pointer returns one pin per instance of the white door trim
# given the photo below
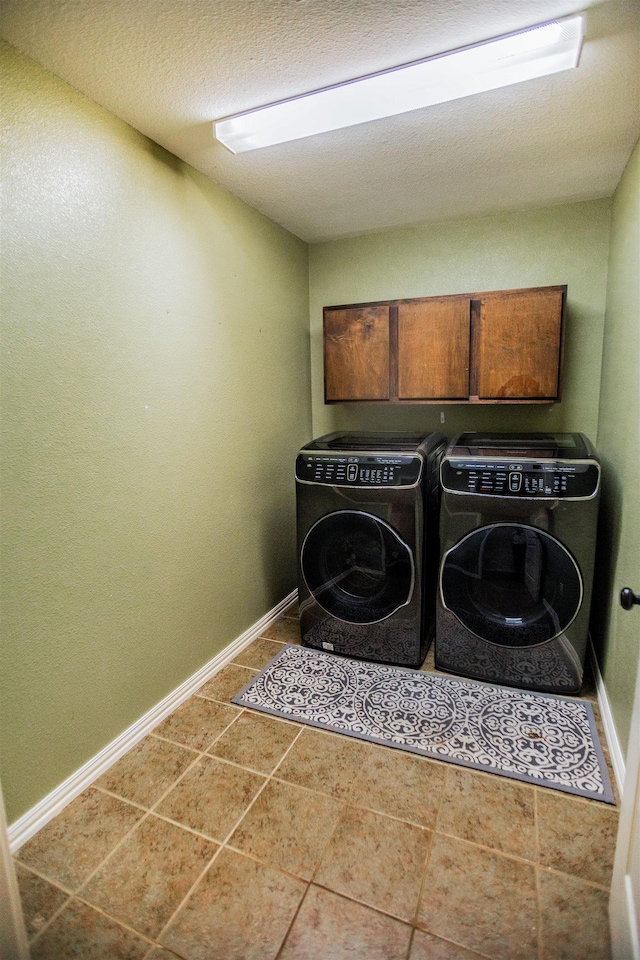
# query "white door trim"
(13, 937)
(624, 903)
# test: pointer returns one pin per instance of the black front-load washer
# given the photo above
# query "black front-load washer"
(367, 522)
(518, 534)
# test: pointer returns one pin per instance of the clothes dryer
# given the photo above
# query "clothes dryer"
(367, 522)
(518, 535)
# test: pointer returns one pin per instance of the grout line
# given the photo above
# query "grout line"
(90, 877)
(237, 661)
(539, 914)
(487, 849)
(346, 803)
(410, 946)
(472, 951)
(224, 842)
(574, 876)
(54, 916)
(211, 742)
(200, 876)
(427, 861)
(148, 813)
(118, 796)
(293, 920)
(226, 703)
(364, 903)
(43, 876)
(256, 713)
(174, 743)
(121, 923)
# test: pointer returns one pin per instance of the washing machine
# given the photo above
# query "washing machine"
(367, 528)
(518, 524)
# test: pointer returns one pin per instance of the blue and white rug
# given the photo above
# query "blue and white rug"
(543, 739)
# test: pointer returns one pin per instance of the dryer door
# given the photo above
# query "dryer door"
(357, 567)
(511, 584)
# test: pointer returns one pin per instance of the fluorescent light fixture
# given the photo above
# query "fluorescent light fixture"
(535, 52)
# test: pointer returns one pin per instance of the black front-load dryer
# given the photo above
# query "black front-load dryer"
(367, 522)
(518, 535)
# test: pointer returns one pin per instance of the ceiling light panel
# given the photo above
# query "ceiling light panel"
(535, 52)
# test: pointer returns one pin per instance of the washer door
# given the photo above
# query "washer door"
(357, 567)
(511, 584)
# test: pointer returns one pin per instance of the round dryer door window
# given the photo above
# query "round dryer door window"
(511, 584)
(357, 567)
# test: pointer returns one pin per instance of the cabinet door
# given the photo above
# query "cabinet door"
(517, 341)
(433, 349)
(356, 353)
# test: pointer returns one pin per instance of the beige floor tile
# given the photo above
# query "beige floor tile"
(240, 910)
(211, 797)
(481, 900)
(400, 785)
(577, 836)
(574, 919)
(159, 953)
(605, 750)
(324, 762)
(39, 899)
(376, 860)
(227, 683)
(288, 828)
(197, 723)
(286, 630)
(149, 874)
(258, 654)
(429, 663)
(427, 947)
(149, 769)
(80, 933)
(589, 689)
(74, 843)
(255, 741)
(489, 810)
(328, 927)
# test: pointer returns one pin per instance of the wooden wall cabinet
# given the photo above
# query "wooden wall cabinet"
(504, 346)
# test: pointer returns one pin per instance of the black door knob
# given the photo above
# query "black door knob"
(628, 598)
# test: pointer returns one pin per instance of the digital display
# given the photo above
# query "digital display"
(359, 470)
(518, 478)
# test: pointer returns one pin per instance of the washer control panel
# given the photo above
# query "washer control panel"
(554, 479)
(358, 469)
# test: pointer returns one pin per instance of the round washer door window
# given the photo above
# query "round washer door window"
(511, 584)
(357, 567)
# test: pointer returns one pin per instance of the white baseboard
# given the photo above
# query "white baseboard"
(615, 750)
(34, 819)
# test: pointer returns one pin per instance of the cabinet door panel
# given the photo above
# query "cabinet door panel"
(518, 339)
(433, 349)
(356, 353)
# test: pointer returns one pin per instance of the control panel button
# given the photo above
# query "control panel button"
(515, 482)
(352, 472)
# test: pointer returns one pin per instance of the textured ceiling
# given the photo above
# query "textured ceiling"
(170, 67)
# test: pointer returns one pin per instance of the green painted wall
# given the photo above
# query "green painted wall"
(155, 388)
(618, 632)
(557, 245)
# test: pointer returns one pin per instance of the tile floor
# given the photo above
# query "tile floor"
(231, 835)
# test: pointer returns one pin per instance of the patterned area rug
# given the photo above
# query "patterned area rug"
(537, 737)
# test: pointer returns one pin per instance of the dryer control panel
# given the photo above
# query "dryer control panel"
(551, 479)
(359, 469)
